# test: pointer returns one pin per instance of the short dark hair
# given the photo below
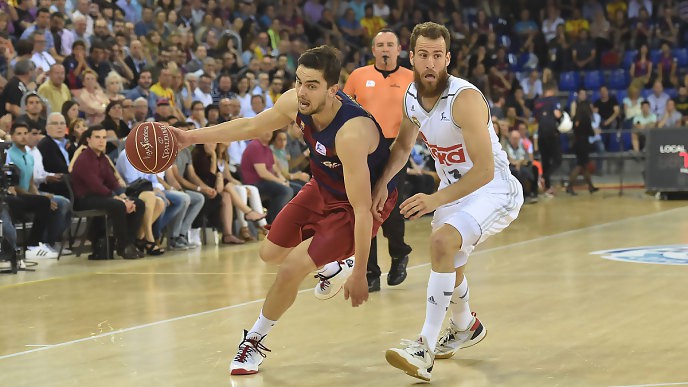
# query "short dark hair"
(325, 59)
(645, 102)
(194, 103)
(430, 30)
(19, 124)
(78, 43)
(42, 10)
(262, 99)
(89, 133)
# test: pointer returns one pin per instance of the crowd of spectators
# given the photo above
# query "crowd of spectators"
(78, 75)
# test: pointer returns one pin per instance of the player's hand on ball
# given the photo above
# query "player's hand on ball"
(379, 199)
(418, 205)
(356, 288)
(182, 136)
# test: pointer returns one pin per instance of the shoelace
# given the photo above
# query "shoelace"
(447, 336)
(414, 347)
(250, 345)
(324, 281)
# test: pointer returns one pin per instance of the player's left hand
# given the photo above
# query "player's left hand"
(418, 205)
(356, 288)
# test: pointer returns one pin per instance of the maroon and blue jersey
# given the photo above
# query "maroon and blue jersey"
(325, 164)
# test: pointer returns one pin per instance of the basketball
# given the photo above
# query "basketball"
(151, 147)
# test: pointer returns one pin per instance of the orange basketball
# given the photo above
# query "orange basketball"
(151, 147)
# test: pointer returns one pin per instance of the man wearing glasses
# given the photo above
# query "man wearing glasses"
(41, 57)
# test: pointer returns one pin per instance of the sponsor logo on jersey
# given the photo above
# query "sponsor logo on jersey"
(659, 255)
(320, 148)
(331, 164)
(443, 117)
(370, 83)
(446, 155)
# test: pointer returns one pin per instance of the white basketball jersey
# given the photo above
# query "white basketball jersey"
(445, 139)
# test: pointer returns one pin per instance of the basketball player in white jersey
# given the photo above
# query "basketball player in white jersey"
(477, 197)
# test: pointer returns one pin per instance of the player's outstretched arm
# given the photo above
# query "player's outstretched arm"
(277, 117)
(471, 114)
(399, 154)
(357, 138)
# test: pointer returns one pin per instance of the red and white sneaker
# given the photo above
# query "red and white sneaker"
(328, 287)
(452, 339)
(249, 356)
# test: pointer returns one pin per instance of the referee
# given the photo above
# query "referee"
(380, 89)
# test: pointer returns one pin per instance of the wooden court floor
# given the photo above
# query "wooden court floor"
(556, 315)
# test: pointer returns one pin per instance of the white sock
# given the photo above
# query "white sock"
(330, 269)
(461, 312)
(440, 290)
(262, 326)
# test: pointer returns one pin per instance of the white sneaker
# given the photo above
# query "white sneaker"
(328, 287)
(42, 251)
(416, 358)
(249, 356)
(453, 339)
(194, 237)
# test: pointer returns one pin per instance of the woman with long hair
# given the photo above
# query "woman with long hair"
(92, 100)
(76, 128)
(241, 194)
(582, 130)
(641, 68)
(70, 111)
(204, 161)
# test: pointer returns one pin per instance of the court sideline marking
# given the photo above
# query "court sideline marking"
(655, 384)
(229, 307)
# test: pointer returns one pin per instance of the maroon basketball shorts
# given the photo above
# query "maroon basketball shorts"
(315, 212)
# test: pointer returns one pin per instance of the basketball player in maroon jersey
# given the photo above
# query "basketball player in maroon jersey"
(330, 219)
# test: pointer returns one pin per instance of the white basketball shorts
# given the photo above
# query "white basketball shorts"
(480, 215)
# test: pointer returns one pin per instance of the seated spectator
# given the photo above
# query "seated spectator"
(75, 64)
(205, 202)
(76, 130)
(24, 198)
(16, 87)
(671, 117)
(92, 100)
(632, 106)
(56, 151)
(258, 168)
(70, 111)
(114, 86)
(140, 110)
(33, 106)
(143, 90)
(643, 122)
(521, 166)
(96, 187)
(532, 86)
(297, 149)
(641, 68)
(166, 209)
(278, 144)
(241, 194)
(54, 90)
(205, 165)
(584, 52)
(197, 117)
(681, 102)
(667, 67)
(658, 99)
(419, 180)
(114, 122)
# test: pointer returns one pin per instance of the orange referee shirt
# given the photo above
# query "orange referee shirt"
(381, 96)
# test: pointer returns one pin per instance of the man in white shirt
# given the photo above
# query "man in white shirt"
(41, 58)
(658, 99)
(204, 90)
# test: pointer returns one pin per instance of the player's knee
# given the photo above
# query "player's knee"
(270, 255)
(445, 242)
